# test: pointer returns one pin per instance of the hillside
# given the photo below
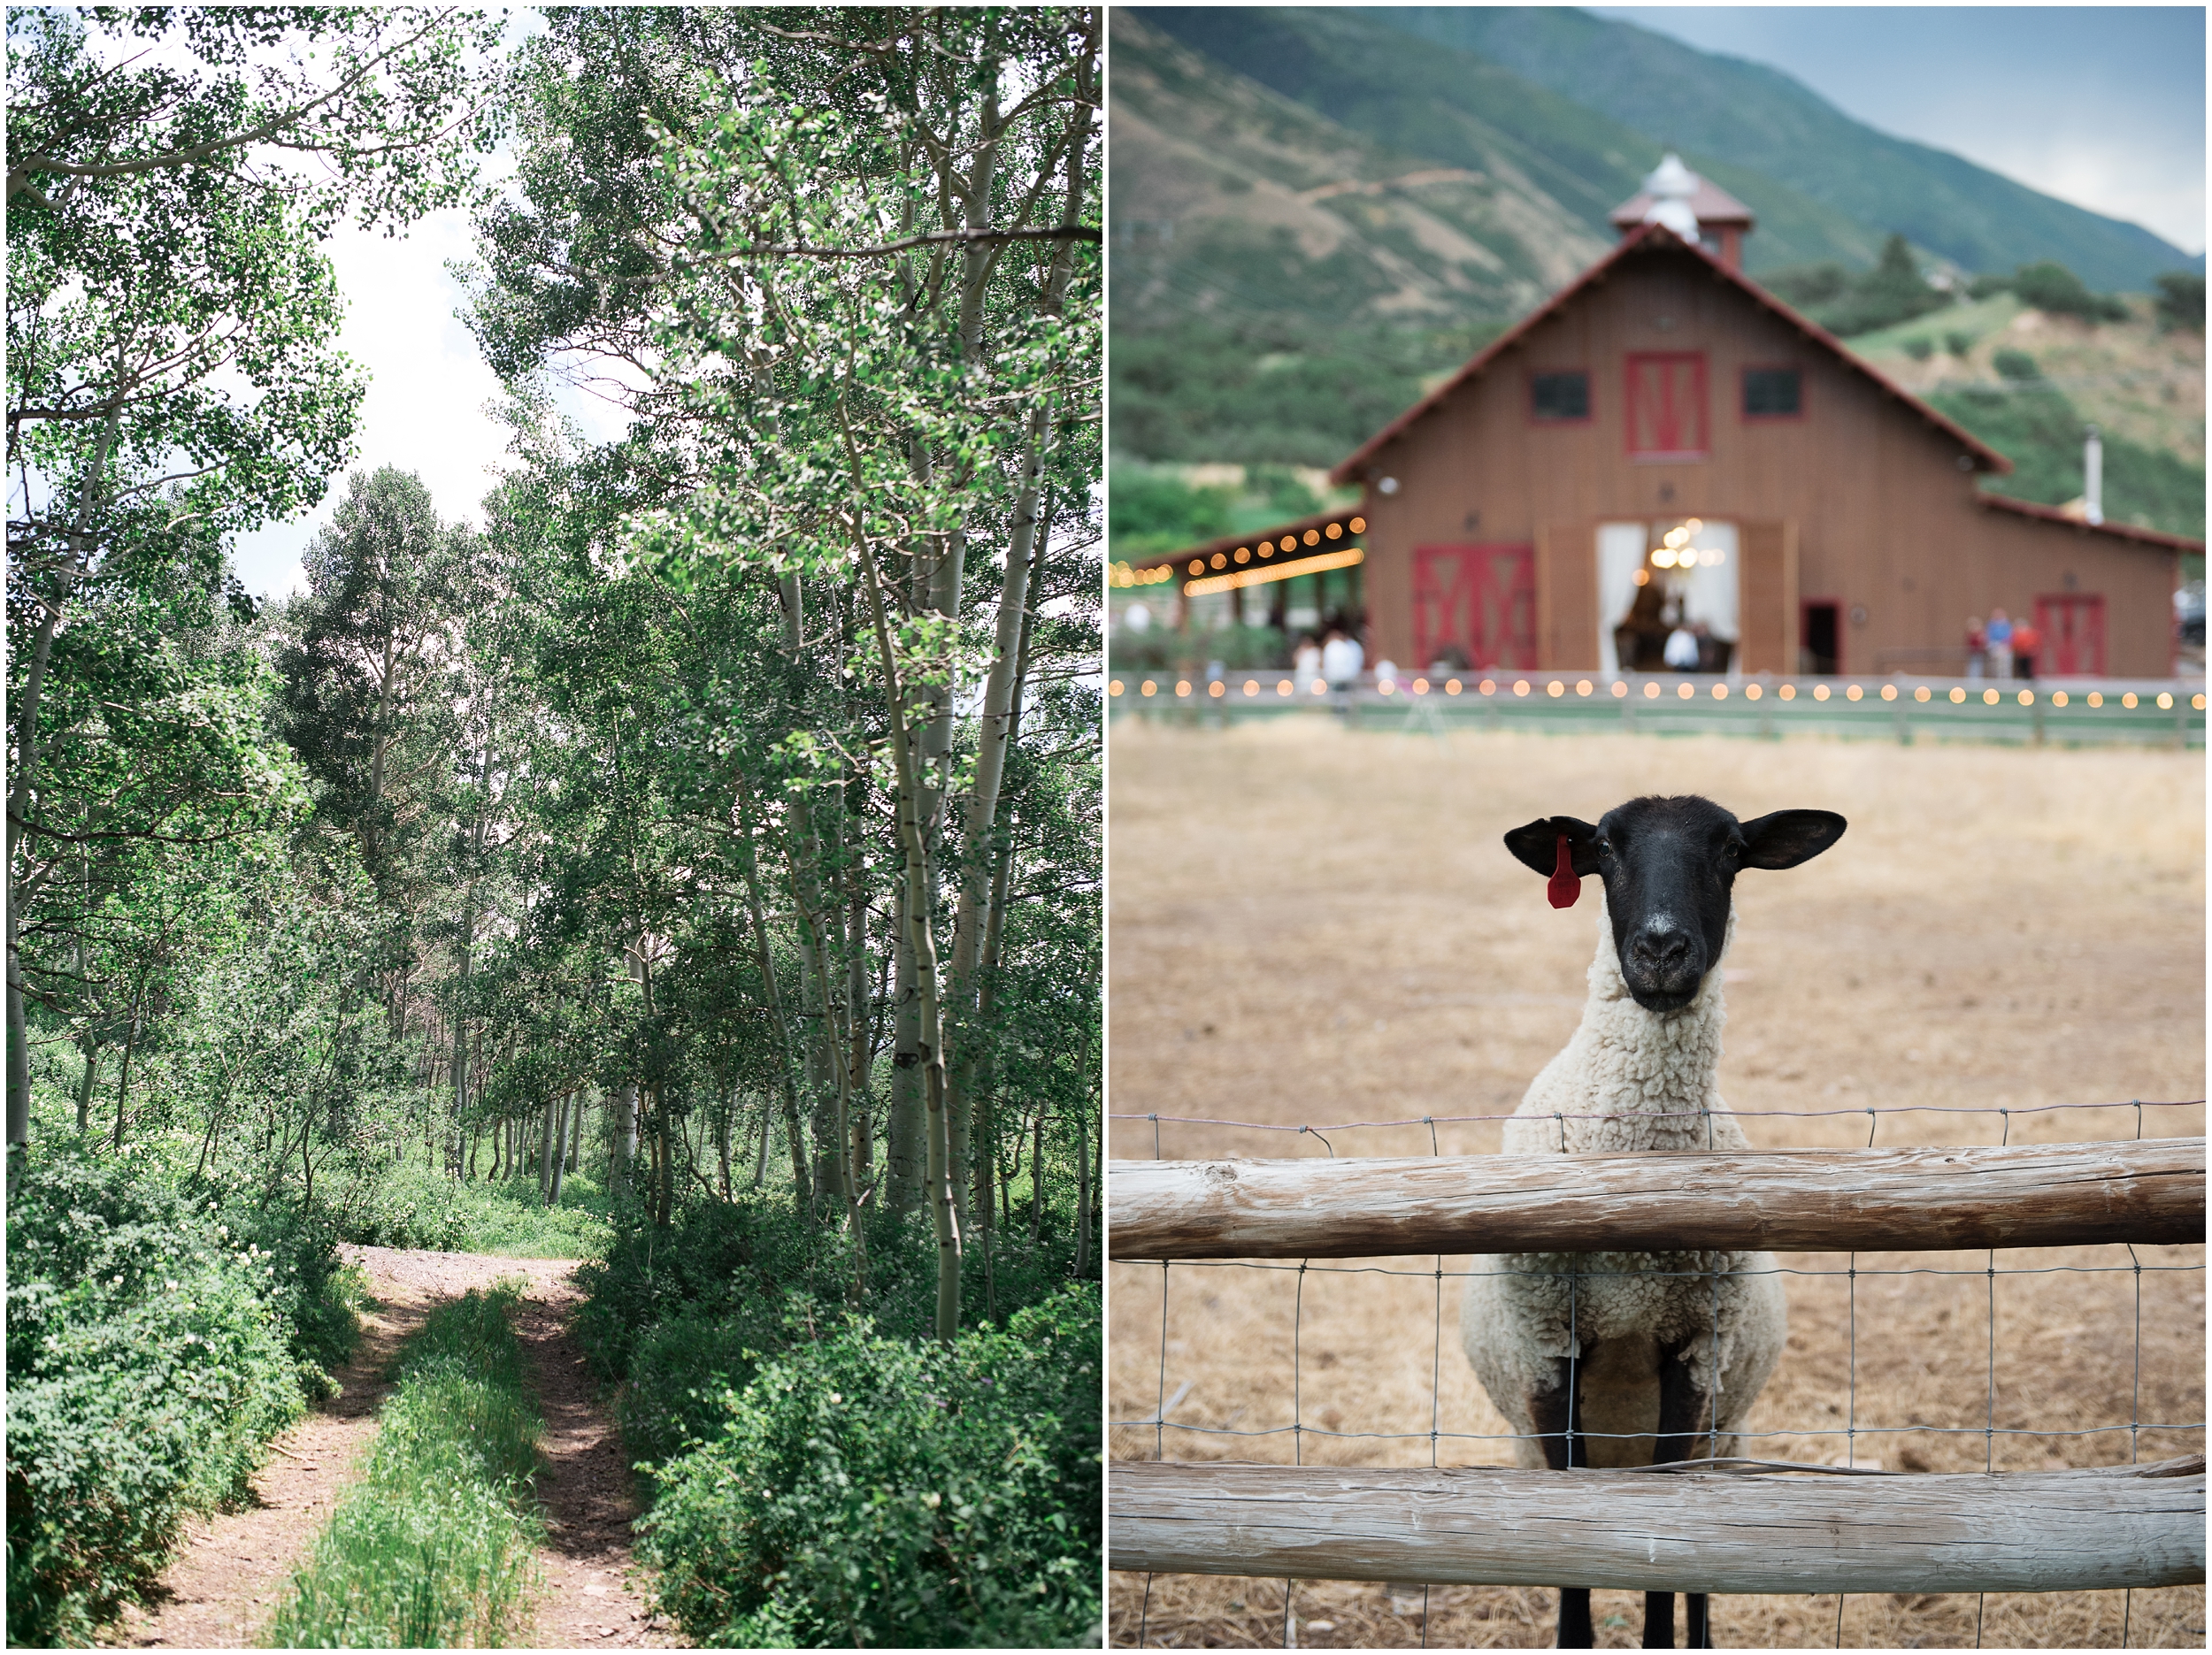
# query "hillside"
(1233, 203)
(1759, 118)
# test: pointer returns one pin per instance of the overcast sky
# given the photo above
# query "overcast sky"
(2102, 106)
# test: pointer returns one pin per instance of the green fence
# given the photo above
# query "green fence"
(2072, 713)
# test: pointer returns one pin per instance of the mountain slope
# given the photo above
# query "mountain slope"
(1750, 116)
(1457, 109)
(1233, 202)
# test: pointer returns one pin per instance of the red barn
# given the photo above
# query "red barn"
(1665, 446)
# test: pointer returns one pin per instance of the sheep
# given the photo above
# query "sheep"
(1627, 1359)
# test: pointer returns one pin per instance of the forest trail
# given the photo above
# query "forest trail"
(226, 1580)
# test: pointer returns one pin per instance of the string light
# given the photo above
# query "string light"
(1820, 692)
(1351, 556)
(1752, 692)
(1313, 536)
(1642, 577)
(1451, 687)
(1620, 688)
(2058, 698)
(1720, 691)
(1219, 562)
(1282, 686)
(1854, 692)
(1889, 691)
(1116, 688)
(1358, 526)
(2096, 698)
(1989, 698)
(2126, 700)
(1244, 553)
(1582, 686)
(1251, 686)
(1182, 686)
(1150, 688)
(1555, 689)
(2197, 700)
(2165, 700)
(1335, 530)
(1921, 695)
(1420, 687)
(1385, 686)
(1651, 692)
(1489, 686)
(1957, 694)
(2027, 698)
(1320, 687)
(1520, 686)
(1685, 690)
(1788, 692)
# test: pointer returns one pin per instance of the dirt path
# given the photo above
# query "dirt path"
(219, 1589)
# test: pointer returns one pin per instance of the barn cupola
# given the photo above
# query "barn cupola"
(1694, 208)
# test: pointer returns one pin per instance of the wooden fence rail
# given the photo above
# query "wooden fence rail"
(1708, 1531)
(1794, 1200)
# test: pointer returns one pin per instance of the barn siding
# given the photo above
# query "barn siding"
(1884, 516)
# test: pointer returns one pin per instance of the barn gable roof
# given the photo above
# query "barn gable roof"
(1647, 239)
(2126, 531)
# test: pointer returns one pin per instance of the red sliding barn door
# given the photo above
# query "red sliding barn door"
(2072, 625)
(1482, 598)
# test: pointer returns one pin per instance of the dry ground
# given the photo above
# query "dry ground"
(220, 1589)
(1320, 926)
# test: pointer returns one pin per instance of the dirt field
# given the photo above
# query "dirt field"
(1317, 926)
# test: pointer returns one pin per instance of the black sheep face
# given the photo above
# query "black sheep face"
(1669, 869)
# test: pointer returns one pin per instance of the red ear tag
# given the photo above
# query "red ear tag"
(1566, 884)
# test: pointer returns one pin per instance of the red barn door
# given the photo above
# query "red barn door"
(2072, 625)
(1482, 598)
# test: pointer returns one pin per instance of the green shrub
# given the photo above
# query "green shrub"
(146, 1370)
(1157, 511)
(2016, 365)
(432, 1547)
(2050, 287)
(1920, 349)
(1959, 344)
(2181, 300)
(864, 1491)
(404, 1204)
(680, 1369)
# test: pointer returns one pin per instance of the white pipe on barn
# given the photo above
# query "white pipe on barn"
(2093, 468)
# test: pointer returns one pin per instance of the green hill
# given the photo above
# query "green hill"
(1754, 117)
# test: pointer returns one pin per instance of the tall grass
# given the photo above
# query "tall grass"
(432, 1548)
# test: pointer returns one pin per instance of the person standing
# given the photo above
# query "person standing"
(1976, 646)
(1341, 658)
(2027, 644)
(1998, 635)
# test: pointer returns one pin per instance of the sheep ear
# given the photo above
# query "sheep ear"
(1789, 837)
(1536, 845)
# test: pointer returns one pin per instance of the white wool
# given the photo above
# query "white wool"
(1629, 1079)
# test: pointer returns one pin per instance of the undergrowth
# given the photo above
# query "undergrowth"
(404, 1204)
(825, 1471)
(432, 1547)
(157, 1338)
(868, 1492)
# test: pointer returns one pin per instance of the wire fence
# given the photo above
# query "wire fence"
(1862, 1441)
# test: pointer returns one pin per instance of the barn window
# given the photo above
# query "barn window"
(1666, 406)
(1772, 393)
(1559, 396)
